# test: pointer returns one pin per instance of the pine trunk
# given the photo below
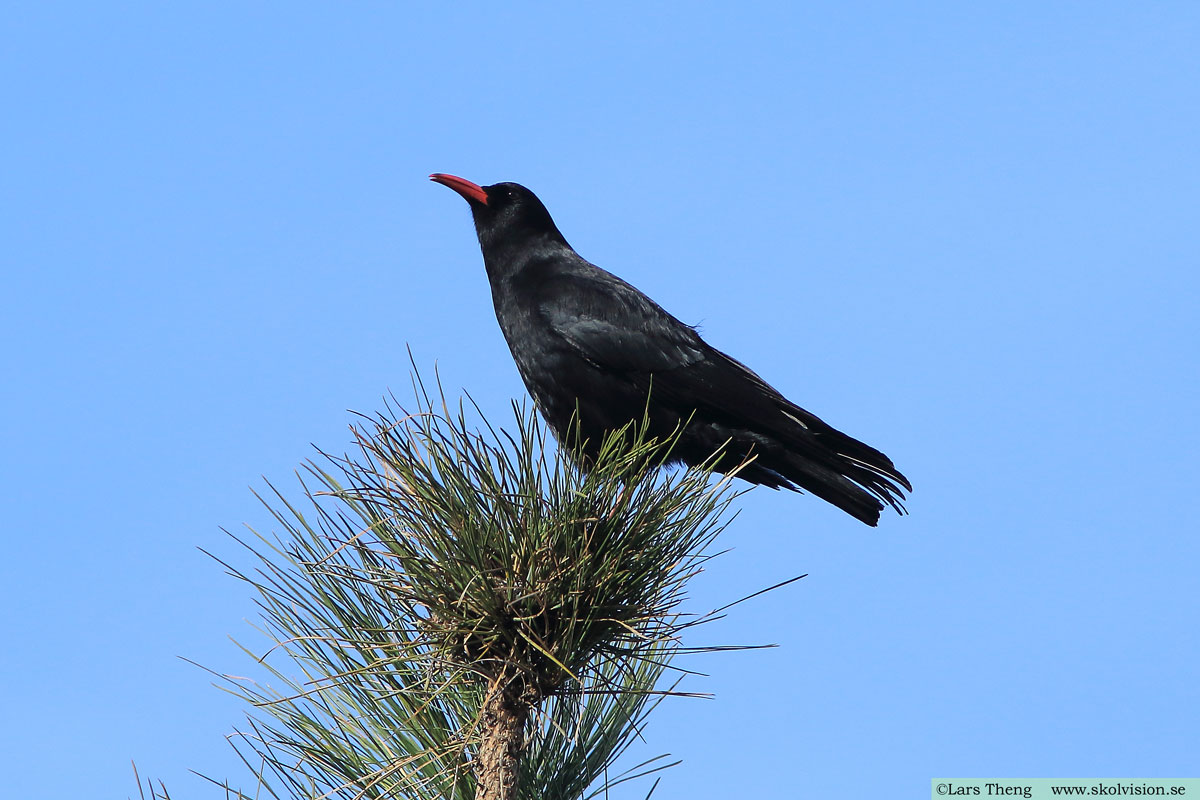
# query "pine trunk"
(503, 720)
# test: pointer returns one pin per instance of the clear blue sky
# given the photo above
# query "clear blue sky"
(967, 233)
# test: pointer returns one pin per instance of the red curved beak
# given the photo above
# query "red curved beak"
(472, 192)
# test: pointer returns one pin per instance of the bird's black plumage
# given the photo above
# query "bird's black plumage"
(584, 340)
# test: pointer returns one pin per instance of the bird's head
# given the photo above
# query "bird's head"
(506, 214)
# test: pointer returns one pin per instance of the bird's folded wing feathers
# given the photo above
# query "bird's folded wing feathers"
(622, 331)
(615, 326)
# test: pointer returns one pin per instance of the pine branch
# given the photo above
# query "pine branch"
(460, 613)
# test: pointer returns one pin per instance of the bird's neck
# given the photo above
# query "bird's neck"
(507, 257)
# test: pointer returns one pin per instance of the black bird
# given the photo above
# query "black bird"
(585, 339)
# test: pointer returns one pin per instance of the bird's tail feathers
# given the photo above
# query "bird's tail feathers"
(844, 471)
(800, 473)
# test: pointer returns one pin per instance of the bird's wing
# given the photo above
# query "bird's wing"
(628, 335)
(624, 332)
(615, 326)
